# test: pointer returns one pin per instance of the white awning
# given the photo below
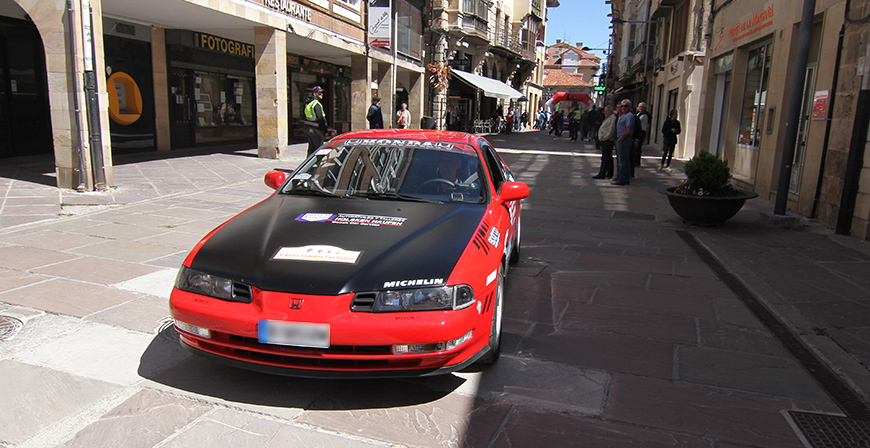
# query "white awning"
(492, 88)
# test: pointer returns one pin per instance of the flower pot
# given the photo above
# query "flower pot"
(708, 210)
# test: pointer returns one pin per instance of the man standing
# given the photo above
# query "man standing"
(643, 120)
(606, 134)
(403, 117)
(315, 120)
(450, 119)
(624, 143)
(375, 116)
(574, 117)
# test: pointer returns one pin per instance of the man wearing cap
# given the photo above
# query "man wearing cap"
(315, 120)
(375, 116)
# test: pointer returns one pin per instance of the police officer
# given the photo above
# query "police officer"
(315, 120)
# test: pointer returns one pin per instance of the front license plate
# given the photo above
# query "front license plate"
(298, 334)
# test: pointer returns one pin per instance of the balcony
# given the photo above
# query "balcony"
(637, 56)
(475, 21)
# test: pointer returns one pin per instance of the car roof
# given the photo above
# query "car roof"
(415, 134)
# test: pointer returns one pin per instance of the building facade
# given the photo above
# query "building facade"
(499, 40)
(746, 106)
(88, 79)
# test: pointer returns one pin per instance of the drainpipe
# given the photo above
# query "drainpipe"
(75, 90)
(794, 111)
(854, 161)
(92, 100)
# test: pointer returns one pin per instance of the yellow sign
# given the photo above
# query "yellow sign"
(222, 45)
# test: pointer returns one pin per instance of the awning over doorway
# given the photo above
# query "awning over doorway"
(492, 88)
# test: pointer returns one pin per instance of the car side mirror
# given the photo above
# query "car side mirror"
(512, 191)
(275, 179)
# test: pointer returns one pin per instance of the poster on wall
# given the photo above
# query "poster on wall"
(380, 23)
(820, 105)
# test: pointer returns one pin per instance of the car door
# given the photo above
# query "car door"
(508, 220)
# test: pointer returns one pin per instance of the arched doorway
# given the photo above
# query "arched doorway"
(25, 122)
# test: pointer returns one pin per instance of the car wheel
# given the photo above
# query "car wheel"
(495, 331)
(515, 251)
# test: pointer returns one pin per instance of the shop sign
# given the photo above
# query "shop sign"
(751, 24)
(289, 8)
(222, 45)
(320, 68)
(380, 23)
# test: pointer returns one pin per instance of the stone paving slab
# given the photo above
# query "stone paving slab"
(530, 428)
(663, 327)
(598, 350)
(227, 428)
(779, 376)
(52, 240)
(23, 258)
(450, 421)
(145, 314)
(69, 297)
(142, 421)
(85, 349)
(95, 270)
(37, 398)
(727, 416)
(129, 251)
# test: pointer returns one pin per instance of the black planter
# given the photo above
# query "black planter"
(709, 210)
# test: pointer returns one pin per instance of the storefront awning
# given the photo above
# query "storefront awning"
(492, 88)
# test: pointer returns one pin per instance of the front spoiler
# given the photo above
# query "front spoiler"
(336, 374)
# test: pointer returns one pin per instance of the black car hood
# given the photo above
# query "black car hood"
(409, 243)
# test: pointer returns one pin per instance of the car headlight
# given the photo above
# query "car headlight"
(199, 282)
(424, 299)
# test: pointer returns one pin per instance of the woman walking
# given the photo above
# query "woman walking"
(670, 130)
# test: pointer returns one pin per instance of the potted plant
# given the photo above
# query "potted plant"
(707, 196)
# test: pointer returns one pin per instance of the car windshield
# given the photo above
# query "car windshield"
(391, 170)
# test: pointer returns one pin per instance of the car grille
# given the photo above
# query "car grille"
(305, 351)
(242, 292)
(364, 302)
(350, 357)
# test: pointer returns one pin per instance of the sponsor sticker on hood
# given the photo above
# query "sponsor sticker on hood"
(328, 254)
(352, 219)
(415, 282)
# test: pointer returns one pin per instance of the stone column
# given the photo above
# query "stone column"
(160, 73)
(387, 92)
(361, 91)
(439, 99)
(271, 79)
(416, 86)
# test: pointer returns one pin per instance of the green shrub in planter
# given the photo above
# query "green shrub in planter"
(707, 175)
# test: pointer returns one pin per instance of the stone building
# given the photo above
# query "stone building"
(750, 73)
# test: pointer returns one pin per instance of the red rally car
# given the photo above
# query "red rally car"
(383, 255)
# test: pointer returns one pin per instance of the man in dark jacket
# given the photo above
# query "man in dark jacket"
(375, 116)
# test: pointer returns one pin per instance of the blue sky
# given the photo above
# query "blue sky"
(580, 21)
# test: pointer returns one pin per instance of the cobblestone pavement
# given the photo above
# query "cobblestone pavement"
(623, 326)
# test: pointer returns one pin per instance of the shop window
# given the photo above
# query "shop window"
(409, 28)
(754, 96)
(223, 100)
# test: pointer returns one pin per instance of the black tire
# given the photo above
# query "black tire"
(495, 330)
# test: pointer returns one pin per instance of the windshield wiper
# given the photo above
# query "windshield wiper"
(389, 196)
(311, 192)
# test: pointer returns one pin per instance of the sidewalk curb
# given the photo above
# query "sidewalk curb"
(839, 361)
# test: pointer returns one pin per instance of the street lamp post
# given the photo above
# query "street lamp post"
(607, 69)
(617, 21)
